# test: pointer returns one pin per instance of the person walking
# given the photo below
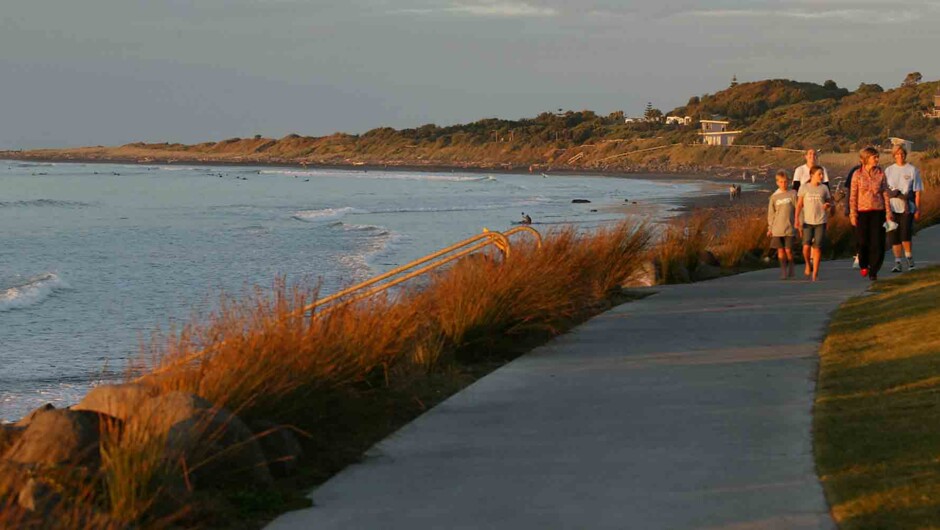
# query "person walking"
(814, 202)
(904, 187)
(868, 200)
(801, 174)
(780, 211)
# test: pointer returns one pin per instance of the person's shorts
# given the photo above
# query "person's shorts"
(904, 231)
(814, 235)
(781, 242)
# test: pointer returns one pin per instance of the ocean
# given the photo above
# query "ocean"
(95, 257)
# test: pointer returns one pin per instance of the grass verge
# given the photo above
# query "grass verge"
(876, 434)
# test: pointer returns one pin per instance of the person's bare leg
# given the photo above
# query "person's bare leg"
(789, 262)
(817, 258)
(782, 258)
(807, 258)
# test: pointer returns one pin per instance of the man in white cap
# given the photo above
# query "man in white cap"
(801, 174)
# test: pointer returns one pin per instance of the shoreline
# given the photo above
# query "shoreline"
(712, 176)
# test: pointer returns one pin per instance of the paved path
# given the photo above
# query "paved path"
(688, 409)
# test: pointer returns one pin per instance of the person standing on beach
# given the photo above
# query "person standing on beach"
(801, 174)
(814, 203)
(904, 187)
(780, 215)
(868, 199)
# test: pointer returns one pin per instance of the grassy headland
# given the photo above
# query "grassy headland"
(774, 114)
(875, 430)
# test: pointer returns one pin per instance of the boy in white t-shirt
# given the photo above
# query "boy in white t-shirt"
(814, 203)
(904, 188)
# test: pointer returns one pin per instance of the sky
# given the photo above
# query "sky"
(108, 72)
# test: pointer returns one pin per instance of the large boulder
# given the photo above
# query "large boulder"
(57, 437)
(214, 443)
(119, 401)
(27, 419)
(281, 448)
(9, 434)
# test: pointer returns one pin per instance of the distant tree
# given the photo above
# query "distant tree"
(694, 100)
(872, 88)
(652, 115)
(616, 116)
(912, 79)
(830, 85)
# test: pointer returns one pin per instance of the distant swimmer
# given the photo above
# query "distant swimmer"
(526, 220)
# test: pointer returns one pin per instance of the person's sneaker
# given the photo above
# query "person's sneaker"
(897, 267)
(864, 273)
(910, 264)
(855, 262)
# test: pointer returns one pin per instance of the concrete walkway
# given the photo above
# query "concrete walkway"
(688, 409)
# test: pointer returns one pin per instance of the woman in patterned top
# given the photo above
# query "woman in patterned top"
(868, 197)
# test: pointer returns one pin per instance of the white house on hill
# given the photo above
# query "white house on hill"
(715, 132)
(935, 113)
(679, 120)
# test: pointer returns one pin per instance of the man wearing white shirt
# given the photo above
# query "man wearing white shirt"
(801, 174)
(904, 187)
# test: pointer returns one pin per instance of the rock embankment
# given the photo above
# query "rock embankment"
(185, 443)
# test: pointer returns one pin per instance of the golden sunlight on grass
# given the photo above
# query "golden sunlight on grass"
(878, 397)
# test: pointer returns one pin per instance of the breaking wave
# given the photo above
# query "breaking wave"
(31, 292)
(324, 215)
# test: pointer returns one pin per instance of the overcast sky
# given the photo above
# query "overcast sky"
(88, 72)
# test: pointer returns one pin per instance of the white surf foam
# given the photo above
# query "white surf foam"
(31, 292)
(372, 229)
(379, 175)
(325, 214)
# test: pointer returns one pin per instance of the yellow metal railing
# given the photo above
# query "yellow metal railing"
(529, 229)
(455, 251)
(375, 285)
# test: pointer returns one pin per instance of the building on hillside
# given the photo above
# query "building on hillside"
(679, 120)
(908, 145)
(935, 113)
(715, 132)
(634, 120)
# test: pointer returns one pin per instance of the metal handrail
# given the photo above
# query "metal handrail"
(496, 239)
(534, 232)
(477, 242)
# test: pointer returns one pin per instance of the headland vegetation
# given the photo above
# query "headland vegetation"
(777, 117)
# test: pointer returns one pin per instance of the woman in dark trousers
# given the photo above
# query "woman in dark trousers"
(868, 198)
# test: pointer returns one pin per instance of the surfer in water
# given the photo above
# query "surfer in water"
(526, 220)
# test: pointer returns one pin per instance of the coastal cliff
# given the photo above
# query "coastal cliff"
(778, 118)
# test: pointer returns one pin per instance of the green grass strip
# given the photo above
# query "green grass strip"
(877, 411)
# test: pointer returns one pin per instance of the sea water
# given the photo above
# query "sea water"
(95, 257)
